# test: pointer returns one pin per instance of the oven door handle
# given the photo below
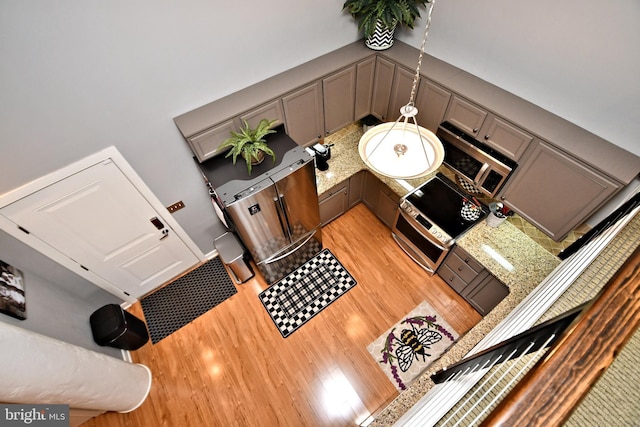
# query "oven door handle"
(481, 175)
(411, 253)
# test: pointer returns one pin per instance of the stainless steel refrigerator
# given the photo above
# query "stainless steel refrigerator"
(274, 210)
(278, 219)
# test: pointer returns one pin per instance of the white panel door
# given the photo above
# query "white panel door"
(100, 220)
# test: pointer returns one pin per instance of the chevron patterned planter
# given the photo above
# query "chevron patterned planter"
(382, 37)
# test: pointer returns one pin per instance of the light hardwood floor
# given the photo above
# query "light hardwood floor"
(231, 367)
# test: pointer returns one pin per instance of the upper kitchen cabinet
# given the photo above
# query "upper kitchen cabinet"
(303, 113)
(294, 97)
(504, 137)
(431, 102)
(365, 73)
(383, 83)
(494, 131)
(339, 98)
(465, 115)
(205, 144)
(554, 191)
(400, 91)
(270, 111)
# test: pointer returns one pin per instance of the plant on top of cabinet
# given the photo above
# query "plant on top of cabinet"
(250, 143)
(377, 19)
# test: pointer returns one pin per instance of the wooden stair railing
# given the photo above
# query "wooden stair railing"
(549, 392)
(538, 337)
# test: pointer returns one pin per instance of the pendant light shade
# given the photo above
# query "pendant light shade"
(403, 150)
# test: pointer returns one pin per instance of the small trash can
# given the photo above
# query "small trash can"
(232, 254)
(113, 327)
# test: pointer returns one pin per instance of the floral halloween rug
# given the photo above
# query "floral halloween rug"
(411, 345)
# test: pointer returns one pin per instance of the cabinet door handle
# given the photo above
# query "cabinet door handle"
(451, 279)
(460, 268)
(475, 130)
(487, 137)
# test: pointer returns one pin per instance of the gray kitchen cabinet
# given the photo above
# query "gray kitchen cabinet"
(388, 202)
(371, 191)
(465, 115)
(270, 111)
(383, 83)
(400, 91)
(554, 191)
(492, 130)
(432, 102)
(380, 199)
(303, 112)
(334, 202)
(472, 281)
(205, 144)
(365, 73)
(487, 294)
(356, 187)
(339, 98)
(503, 136)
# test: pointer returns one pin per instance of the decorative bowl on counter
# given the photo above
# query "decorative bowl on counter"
(470, 211)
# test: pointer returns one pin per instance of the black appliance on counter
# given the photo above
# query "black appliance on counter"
(480, 165)
(274, 210)
(431, 218)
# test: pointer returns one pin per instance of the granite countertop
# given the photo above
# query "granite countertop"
(505, 251)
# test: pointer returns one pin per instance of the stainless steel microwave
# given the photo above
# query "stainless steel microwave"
(480, 165)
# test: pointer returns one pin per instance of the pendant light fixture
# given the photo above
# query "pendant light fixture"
(403, 149)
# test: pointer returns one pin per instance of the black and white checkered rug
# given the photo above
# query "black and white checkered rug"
(187, 298)
(306, 291)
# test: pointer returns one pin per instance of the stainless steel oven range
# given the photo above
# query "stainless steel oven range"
(432, 217)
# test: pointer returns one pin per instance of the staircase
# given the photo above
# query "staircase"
(472, 394)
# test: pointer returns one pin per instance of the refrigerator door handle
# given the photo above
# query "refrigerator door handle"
(286, 216)
(270, 260)
(284, 224)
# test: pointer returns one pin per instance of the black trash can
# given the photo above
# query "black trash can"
(112, 326)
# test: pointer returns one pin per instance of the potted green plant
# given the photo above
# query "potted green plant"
(250, 143)
(378, 19)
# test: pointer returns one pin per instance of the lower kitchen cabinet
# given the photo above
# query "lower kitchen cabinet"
(356, 186)
(472, 281)
(334, 202)
(380, 199)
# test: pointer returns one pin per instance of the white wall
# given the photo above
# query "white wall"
(579, 59)
(78, 76)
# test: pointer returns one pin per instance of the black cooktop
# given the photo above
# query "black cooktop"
(441, 201)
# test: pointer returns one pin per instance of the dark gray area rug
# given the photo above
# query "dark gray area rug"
(185, 299)
(306, 291)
